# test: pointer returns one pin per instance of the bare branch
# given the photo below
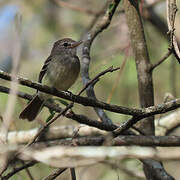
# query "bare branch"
(171, 14)
(167, 123)
(41, 130)
(69, 96)
(161, 60)
(77, 117)
(104, 23)
(75, 8)
(145, 112)
(55, 174)
(16, 170)
(57, 132)
(135, 119)
(63, 157)
(122, 140)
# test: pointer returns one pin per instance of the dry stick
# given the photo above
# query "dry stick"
(16, 170)
(152, 110)
(158, 109)
(171, 15)
(126, 125)
(73, 173)
(65, 136)
(77, 117)
(103, 24)
(41, 130)
(110, 69)
(146, 112)
(122, 140)
(29, 174)
(95, 79)
(76, 8)
(94, 20)
(27, 171)
(50, 122)
(55, 174)
(71, 104)
(161, 60)
(75, 98)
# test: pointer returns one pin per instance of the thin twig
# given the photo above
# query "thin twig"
(73, 173)
(69, 96)
(171, 15)
(55, 174)
(16, 170)
(71, 104)
(77, 117)
(94, 20)
(96, 78)
(27, 171)
(126, 125)
(161, 60)
(66, 109)
(76, 8)
(49, 123)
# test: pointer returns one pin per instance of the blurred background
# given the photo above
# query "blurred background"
(31, 28)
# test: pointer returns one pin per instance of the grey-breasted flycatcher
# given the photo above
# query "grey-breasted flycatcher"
(59, 71)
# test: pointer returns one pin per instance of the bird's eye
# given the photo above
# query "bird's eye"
(65, 44)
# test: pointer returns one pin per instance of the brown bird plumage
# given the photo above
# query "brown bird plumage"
(60, 71)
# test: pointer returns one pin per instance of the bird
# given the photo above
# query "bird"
(60, 71)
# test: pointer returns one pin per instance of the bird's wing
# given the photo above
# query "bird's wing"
(44, 69)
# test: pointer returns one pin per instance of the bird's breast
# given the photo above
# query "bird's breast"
(62, 72)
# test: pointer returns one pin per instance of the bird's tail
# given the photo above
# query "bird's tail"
(32, 109)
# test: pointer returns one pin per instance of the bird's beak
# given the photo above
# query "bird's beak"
(75, 44)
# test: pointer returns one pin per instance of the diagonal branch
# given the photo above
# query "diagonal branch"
(88, 40)
(171, 14)
(16, 170)
(153, 66)
(55, 174)
(128, 124)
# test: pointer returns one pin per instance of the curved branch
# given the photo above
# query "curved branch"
(104, 23)
(16, 170)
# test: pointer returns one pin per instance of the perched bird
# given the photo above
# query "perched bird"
(59, 71)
